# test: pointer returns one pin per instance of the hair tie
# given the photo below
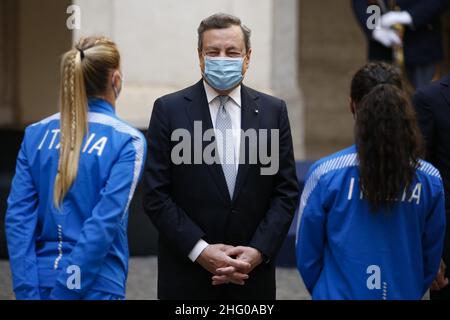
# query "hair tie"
(81, 53)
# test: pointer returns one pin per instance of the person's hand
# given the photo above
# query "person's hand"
(214, 257)
(440, 282)
(394, 17)
(235, 277)
(387, 37)
(233, 274)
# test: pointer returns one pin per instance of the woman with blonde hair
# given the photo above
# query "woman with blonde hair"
(76, 172)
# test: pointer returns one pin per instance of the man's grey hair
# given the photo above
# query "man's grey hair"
(222, 21)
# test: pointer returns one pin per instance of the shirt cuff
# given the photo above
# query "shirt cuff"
(198, 249)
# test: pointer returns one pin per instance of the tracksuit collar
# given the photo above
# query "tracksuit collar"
(101, 106)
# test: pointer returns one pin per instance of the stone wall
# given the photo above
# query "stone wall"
(332, 48)
(158, 42)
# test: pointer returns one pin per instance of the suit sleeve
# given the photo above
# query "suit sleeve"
(170, 220)
(273, 228)
(426, 122)
(310, 241)
(433, 239)
(425, 12)
(20, 224)
(101, 228)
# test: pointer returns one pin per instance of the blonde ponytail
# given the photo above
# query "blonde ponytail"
(85, 72)
(73, 123)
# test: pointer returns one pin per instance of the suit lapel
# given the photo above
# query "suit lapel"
(249, 120)
(198, 110)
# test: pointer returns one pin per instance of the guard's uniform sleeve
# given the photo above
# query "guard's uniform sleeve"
(311, 233)
(427, 123)
(433, 239)
(425, 12)
(100, 229)
(20, 226)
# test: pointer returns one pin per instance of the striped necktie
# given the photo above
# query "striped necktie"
(225, 144)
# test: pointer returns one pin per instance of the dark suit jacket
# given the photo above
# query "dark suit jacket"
(422, 42)
(188, 202)
(432, 104)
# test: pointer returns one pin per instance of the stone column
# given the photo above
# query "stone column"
(285, 66)
(42, 37)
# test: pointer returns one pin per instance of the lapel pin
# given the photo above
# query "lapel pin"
(256, 111)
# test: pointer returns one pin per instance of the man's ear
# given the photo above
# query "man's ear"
(248, 56)
(201, 59)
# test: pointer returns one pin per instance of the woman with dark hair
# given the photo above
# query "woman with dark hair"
(372, 216)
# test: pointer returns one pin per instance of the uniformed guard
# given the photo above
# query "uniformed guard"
(408, 34)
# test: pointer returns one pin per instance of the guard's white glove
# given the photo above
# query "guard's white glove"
(387, 37)
(394, 17)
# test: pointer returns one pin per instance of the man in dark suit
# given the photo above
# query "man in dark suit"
(422, 41)
(432, 104)
(222, 222)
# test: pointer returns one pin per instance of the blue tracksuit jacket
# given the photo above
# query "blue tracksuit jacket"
(346, 251)
(84, 246)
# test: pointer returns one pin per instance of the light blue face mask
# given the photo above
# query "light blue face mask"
(223, 73)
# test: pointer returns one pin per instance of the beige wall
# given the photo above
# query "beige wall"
(158, 43)
(42, 38)
(158, 39)
(332, 48)
(7, 61)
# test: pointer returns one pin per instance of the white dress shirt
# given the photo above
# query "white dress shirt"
(233, 107)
